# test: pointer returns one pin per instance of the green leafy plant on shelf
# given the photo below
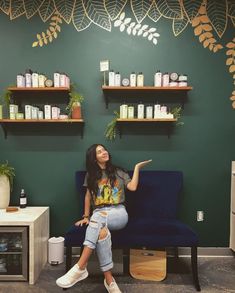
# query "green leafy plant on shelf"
(177, 112)
(111, 130)
(75, 99)
(8, 171)
(6, 97)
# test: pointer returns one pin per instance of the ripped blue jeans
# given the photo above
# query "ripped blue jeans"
(113, 218)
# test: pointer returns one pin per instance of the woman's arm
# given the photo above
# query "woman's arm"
(87, 207)
(132, 185)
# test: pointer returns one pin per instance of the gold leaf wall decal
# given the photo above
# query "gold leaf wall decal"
(191, 8)
(231, 63)
(46, 10)
(80, 19)
(65, 9)
(51, 33)
(217, 13)
(16, 8)
(231, 8)
(169, 8)
(114, 7)
(97, 13)
(203, 29)
(233, 20)
(5, 6)
(140, 9)
(31, 7)
(179, 25)
(154, 13)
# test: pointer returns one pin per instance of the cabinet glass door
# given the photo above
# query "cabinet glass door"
(13, 253)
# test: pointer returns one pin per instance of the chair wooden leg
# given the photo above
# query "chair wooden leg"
(195, 267)
(126, 261)
(68, 257)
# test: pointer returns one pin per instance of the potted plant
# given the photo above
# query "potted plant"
(74, 105)
(7, 174)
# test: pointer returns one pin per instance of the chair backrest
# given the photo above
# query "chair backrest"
(156, 196)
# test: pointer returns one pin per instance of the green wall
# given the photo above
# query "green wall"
(203, 148)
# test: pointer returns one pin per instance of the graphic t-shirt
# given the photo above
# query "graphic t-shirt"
(108, 194)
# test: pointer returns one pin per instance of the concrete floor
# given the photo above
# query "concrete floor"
(216, 275)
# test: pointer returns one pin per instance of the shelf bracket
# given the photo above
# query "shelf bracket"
(82, 130)
(4, 128)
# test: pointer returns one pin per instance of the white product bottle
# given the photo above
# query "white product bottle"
(165, 79)
(163, 111)
(67, 81)
(131, 113)
(157, 111)
(140, 79)
(149, 112)
(140, 111)
(47, 111)
(41, 80)
(133, 79)
(62, 80)
(34, 79)
(158, 79)
(117, 79)
(56, 79)
(123, 111)
(20, 80)
(28, 111)
(28, 78)
(111, 78)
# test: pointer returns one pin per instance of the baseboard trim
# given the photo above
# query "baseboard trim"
(186, 252)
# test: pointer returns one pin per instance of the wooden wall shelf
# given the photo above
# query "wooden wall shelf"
(146, 88)
(6, 122)
(39, 89)
(110, 91)
(166, 122)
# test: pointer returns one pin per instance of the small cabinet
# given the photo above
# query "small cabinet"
(40, 96)
(13, 253)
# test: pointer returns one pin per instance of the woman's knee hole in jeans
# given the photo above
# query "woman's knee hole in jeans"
(103, 233)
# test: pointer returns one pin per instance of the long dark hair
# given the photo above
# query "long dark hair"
(95, 172)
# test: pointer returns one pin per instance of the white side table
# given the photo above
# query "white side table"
(37, 219)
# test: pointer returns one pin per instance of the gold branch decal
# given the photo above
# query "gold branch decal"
(203, 29)
(52, 32)
(231, 63)
(136, 28)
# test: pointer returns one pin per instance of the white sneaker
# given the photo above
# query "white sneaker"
(112, 287)
(73, 276)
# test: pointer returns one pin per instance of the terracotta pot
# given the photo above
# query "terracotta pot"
(4, 192)
(76, 111)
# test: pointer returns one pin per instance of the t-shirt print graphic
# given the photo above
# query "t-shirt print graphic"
(107, 194)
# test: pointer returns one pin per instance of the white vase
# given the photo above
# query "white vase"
(4, 192)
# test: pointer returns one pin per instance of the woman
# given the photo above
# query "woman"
(105, 184)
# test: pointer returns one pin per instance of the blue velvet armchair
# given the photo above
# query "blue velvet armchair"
(153, 222)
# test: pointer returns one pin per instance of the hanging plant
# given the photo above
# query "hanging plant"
(177, 112)
(111, 130)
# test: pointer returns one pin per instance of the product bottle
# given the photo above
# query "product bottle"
(28, 78)
(140, 79)
(111, 78)
(133, 79)
(23, 199)
(117, 79)
(140, 111)
(158, 79)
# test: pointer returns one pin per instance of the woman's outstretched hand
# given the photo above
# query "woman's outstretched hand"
(81, 222)
(142, 164)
